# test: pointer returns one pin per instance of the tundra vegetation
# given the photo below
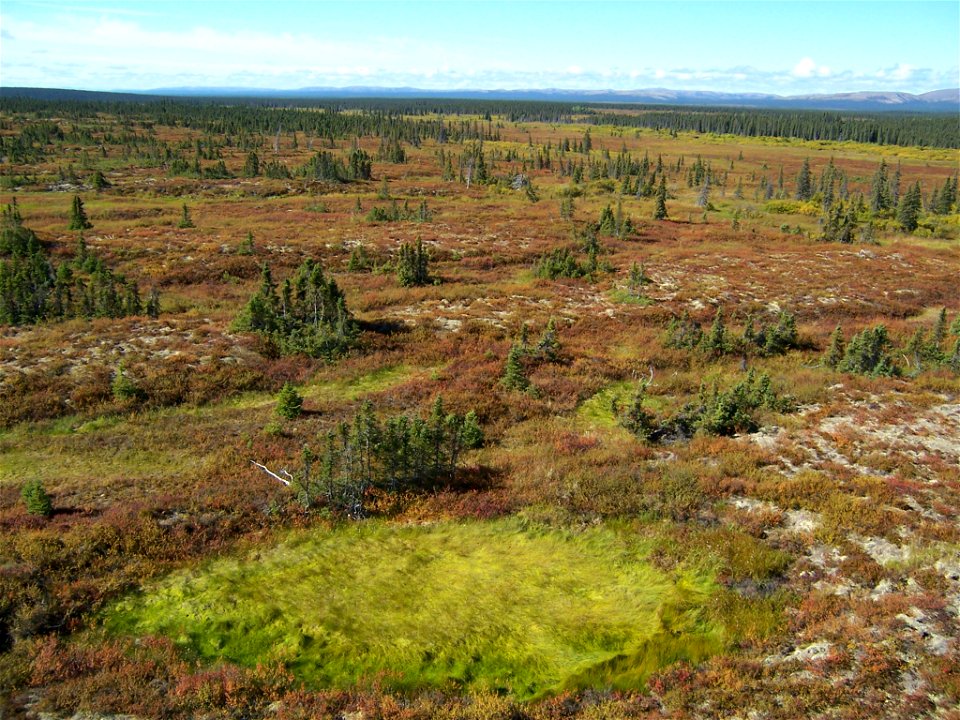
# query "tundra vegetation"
(468, 409)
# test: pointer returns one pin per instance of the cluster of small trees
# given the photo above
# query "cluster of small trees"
(944, 199)
(33, 289)
(307, 314)
(869, 352)
(840, 223)
(391, 151)
(413, 265)
(843, 212)
(561, 263)
(872, 352)
(522, 354)
(716, 411)
(327, 167)
(766, 340)
(615, 223)
(910, 207)
(930, 129)
(731, 411)
(885, 198)
(398, 454)
(394, 212)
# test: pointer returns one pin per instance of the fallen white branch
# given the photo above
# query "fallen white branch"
(272, 474)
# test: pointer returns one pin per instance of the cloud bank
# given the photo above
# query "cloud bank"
(118, 53)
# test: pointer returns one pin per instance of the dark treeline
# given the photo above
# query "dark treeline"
(877, 128)
(413, 120)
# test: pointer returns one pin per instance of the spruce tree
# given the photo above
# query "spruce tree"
(703, 199)
(660, 212)
(36, 499)
(804, 182)
(251, 168)
(123, 387)
(99, 182)
(548, 347)
(715, 342)
(413, 265)
(185, 220)
(607, 224)
(471, 432)
(835, 349)
(636, 418)
(246, 246)
(153, 304)
(78, 216)
(908, 214)
(637, 280)
(939, 330)
(358, 262)
(514, 375)
(523, 339)
(880, 190)
(289, 402)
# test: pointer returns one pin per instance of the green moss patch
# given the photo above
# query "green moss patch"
(501, 606)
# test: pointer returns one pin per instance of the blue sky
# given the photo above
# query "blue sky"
(779, 47)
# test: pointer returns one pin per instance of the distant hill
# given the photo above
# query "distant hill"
(63, 94)
(940, 101)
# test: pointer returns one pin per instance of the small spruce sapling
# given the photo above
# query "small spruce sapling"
(548, 347)
(99, 182)
(246, 246)
(715, 342)
(123, 387)
(514, 374)
(636, 418)
(471, 432)
(185, 220)
(835, 349)
(153, 304)
(289, 402)
(36, 499)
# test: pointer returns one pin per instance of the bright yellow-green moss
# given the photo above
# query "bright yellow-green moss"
(505, 606)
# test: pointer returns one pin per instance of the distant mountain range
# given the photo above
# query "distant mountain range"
(936, 101)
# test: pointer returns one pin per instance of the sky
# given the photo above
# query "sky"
(768, 47)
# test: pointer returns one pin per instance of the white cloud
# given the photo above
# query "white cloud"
(85, 51)
(902, 72)
(805, 68)
(808, 68)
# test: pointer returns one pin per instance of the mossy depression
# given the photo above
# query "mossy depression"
(504, 606)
